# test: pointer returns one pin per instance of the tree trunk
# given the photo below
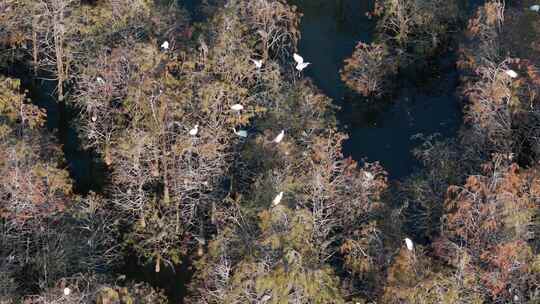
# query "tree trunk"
(59, 61)
(35, 47)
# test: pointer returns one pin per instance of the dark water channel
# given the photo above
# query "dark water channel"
(379, 130)
(86, 169)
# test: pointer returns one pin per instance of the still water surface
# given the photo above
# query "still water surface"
(379, 130)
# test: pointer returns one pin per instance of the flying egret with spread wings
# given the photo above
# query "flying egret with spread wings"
(300, 64)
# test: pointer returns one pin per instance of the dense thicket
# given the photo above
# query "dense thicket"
(187, 132)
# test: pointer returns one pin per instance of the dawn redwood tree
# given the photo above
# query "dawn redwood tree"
(502, 114)
(420, 25)
(331, 199)
(33, 186)
(51, 32)
(47, 234)
(274, 26)
(482, 41)
(408, 31)
(368, 69)
(14, 32)
(281, 265)
(415, 277)
(445, 162)
(326, 197)
(139, 102)
(489, 221)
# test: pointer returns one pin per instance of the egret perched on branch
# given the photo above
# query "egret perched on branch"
(241, 133)
(194, 131)
(300, 64)
(237, 107)
(100, 80)
(266, 298)
(165, 45)
(200, 240)
(94, 117)
(258, 63)
(368, 175)
(409, 244)
(279, 137)
(277, 199)
(511, 73)
(535, 8)
(67, 291)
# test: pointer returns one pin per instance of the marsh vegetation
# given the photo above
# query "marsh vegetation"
(163, 152)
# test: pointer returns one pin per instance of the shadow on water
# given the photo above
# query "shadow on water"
(379, 130)
(173, 281)
(85, 167)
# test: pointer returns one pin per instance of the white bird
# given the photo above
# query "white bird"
(237, 107)
(165, 45)
(194, 131)
(100, 80)
(258, 63)
(535, 8)
(409, 244)
(279, 137)
(368, 175)
(300, 64)
(200, 240)
(511, 73)
(94, 117)
(67, 291)
(241, 133)
(277, 199)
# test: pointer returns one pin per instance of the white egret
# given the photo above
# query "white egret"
(511, 73)
(368, 175)
(94, 117)
(67, 291)
(258, 63)
(237, 107)
(165, 45)
(279, 137)
(100, 80)
(266, 298)
(194, 131)
(241, 133)
(535, 8)
(200, 240)
(300, 64)
(409, 244)
(277, 199)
